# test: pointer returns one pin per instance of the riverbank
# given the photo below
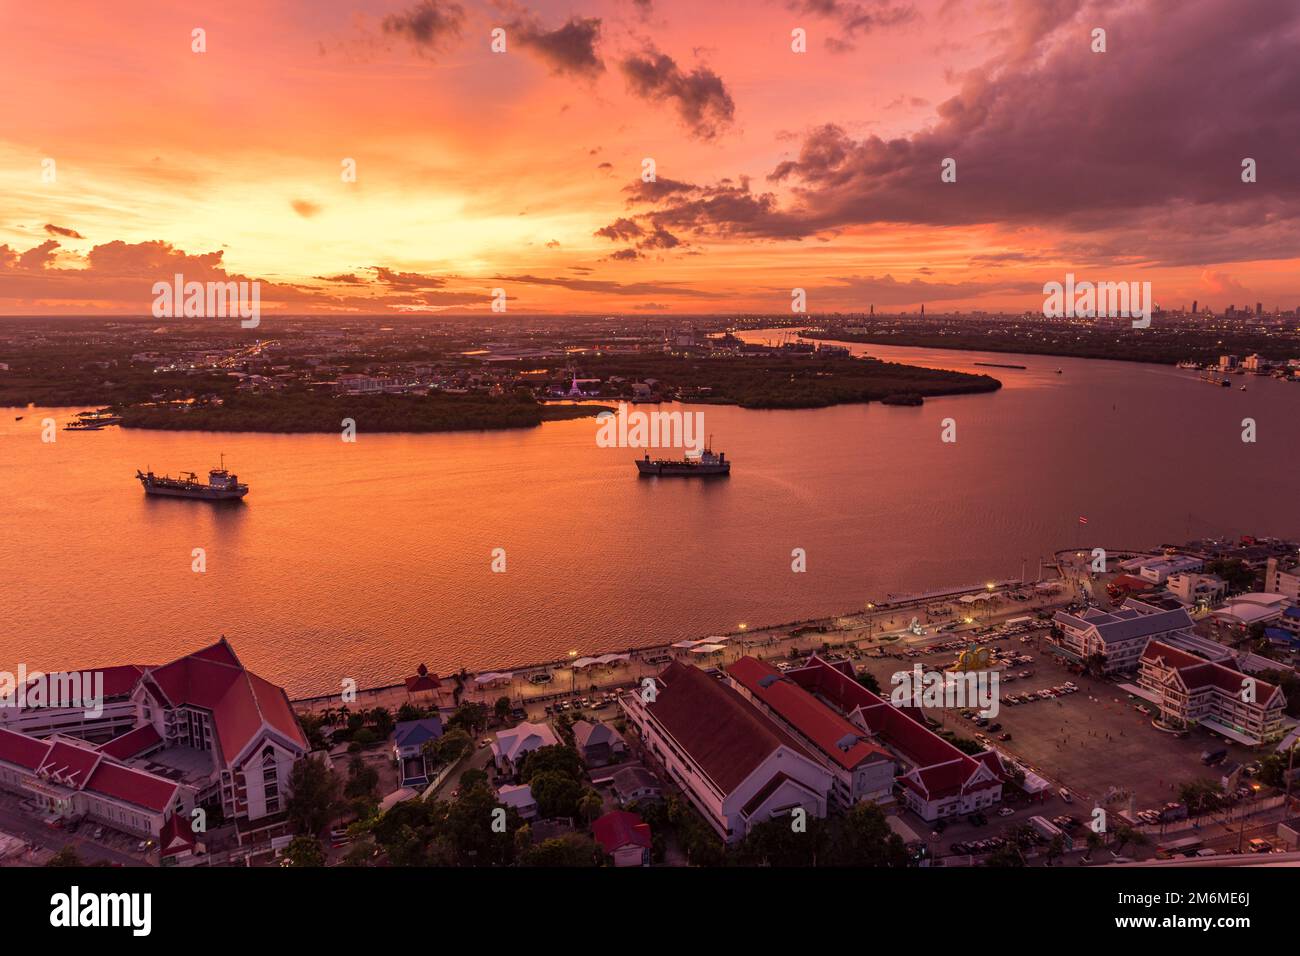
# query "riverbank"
(871, 630)
(315, 414)
(1155, 346)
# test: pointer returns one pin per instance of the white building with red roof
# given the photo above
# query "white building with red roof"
(1191, 690)
(201, 730)
(69, 778)
(935, 778)
(863, 770)
(736, 765)
(208, 702)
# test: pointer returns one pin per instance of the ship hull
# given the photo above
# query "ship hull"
(203, 494)
(680, 470)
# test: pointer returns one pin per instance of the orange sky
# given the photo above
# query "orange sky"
(478, 170)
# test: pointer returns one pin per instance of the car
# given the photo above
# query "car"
(1004, 736)
(1005, 811)
(98, 834)
(1066, 795)
(1260, 846)
(995, 727)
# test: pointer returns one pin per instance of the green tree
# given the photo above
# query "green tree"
(65, 857)
(590, 805)
(362, 779)
(502, 708)
(570, 850)
(382, 720)
(448, 748)
(305, 851)
(554, 759)
(862, 837)
(471, 716)
(556, 794)
(868, 680)
(314, 796)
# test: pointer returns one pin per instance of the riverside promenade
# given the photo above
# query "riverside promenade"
(868, 631)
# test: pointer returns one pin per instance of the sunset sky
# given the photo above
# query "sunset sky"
(522, 170)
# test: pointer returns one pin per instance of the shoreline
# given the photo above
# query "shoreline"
(876, 623)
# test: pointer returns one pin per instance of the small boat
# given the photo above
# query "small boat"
(18, 418)
(1058, 371)
(1243, 388)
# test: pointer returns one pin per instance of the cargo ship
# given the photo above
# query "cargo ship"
(221, 486)
(706, 465)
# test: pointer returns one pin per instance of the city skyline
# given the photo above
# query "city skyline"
(774, 170)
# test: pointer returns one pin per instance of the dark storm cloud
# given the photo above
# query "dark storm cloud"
(1134, 147)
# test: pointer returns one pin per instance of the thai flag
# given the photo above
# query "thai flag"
(1082, 520)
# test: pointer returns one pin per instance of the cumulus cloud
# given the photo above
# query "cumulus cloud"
(700, 96)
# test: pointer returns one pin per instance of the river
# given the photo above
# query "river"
(361, 560)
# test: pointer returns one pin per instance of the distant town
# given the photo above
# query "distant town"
(1118, 707)
(448, 372)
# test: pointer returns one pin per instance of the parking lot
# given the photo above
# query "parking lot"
(1095, 741)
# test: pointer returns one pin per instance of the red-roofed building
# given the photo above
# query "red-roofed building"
(202, 720)
(736, 765)
(1191, 690)
(936, 779)
(207, 701)
(862, 770)
(67, 777)
(623, 836)
(115, 714)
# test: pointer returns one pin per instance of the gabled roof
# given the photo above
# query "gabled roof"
(724, 733)
(831, 732)
(21, 750)
(422, 680)
(69, 765)
(133, 786)
(241, 703)
(412, 733)
(132, 742)
(1196, 674)
(589, 734)
(620, 828)
(523, 738)
(1131, 622)
(176, 835)
(902, 730)
(78, 766)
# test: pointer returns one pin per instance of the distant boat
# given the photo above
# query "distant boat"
(1058, 371)
(1243, 388)
(707, 464)
(18, 418)
(221, 486)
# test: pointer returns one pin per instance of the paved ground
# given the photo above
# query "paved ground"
(17, 821)
(1091, 741)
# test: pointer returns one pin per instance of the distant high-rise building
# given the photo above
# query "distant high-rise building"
(922, 308)
(1194, 304)
(873, 311)
(1259, 309)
